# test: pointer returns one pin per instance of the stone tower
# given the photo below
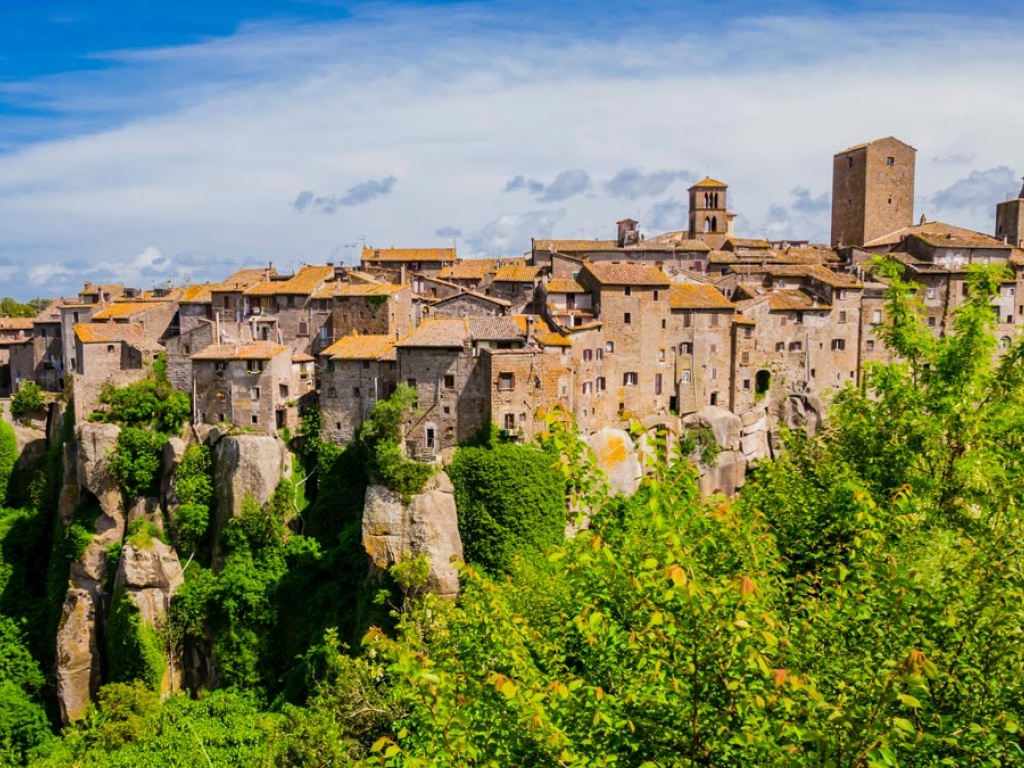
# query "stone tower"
(872, 191)
(710, 220)
(1010, 220)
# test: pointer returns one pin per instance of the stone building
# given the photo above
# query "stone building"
(443, 361)
(365, 308)
(872, 191)
(633, 368)
(530, 382)
(14, 331)
(108, 353)
(280, 308)
(399, 265)
(700, 327)
(40, 357)
(227, 298)
(256, 385)
(356, 372)
(469, 303)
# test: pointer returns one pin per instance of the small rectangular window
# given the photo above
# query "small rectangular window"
(871, 345)
(627, 318)
(629, 379)
(684, 377)
(411, 383)
(715, 320)
(449, 381)
(686, 348)
(601, 384)
(780, 346)
(890, 161)
(627, 291)
(657, 383)
(355, 392)
(842, 316)
(746, 384)
(838, 345)
(588, 355)
(255, 393)
(506, 381)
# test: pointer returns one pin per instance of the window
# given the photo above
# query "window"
(842, 316)
(655, 295)
(220, 365)
(714, 398)
(795, 346)
(446, 409)
(602, 384)
(687, 320)
(780, 346)
(871, 345)
(506, 381)
(684, 377)
(931, 322)
(799, 317)
(964, 289)
(599, 353)
(838, 345)
(510, 421)
(713, 375)
(449, 381)
(588, 387)
(849, 162)
(713, 349)
(931, 292)
(714, 320)
(783, 320)
(283, 391)
(745, 358)
(1005, 342)
(876, 317)
(890, 161)
(255, 418)
(303, 328)
(657, 383)
(627, 318)
(254, 366)
(411, 383)
(746, 384)
(627, 291)
(661, 355)
(110, 348)
(748, 333)
(255, 393)
(686, 348)
(588, 355)
(609, 346)
(629, 379)
(664, 323)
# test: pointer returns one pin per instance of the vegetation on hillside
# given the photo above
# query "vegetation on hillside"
(859, 604)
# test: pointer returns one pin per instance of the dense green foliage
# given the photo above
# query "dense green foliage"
(149, 403)
(193, 483)
(27, 399)
(381, 437)
(860, 604)
(135, 461)
(12, 308)
(511, 499)
(135, 651)
(8, 457)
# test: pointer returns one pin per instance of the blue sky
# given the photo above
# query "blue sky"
(146, 142)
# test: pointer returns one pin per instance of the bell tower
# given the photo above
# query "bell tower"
(1010, 220)
(710, 219)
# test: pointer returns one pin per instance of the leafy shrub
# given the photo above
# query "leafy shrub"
(511, 499)
(134, 648)
(194, 486)
(28, 398)
(8, 457)
(135, 461)
(146, 403)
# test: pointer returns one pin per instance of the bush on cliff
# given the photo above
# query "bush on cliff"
(8, 458)
(511, 499)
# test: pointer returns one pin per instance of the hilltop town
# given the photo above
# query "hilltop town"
(647, 328)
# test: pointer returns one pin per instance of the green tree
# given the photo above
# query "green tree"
(511, 499)
(27, 399)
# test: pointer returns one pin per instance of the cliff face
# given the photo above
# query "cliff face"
(428, 525)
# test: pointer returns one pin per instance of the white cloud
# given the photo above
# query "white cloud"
(207, 146)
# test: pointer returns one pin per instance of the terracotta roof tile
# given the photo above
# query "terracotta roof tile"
(369, 347)
(565, 285)
(627, 274)
(257, 350)
(697, 296)
(475, 295)
(305, 282)
(196, 294)
(516, 274)
(575, 246)
(108, 333)
(748, 242)
(121, 309)
(468, 269)
(707, 182)
(939, 235)
(384, 255)
(793, 298)
(338, 289)
(16, 323)
(455, 331)
(552, 339)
